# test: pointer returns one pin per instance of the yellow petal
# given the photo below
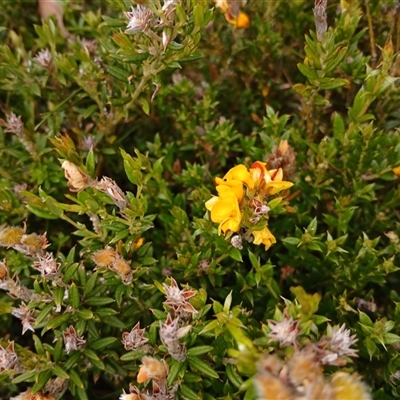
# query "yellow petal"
(231, 224)
(225, 207)
(348, 386)
(276, 187)
(242, 21)
(240, 173)
(396, 171)
(265, 237)
(275, 175)
(234, 186)
(258, 173)
(210, 203)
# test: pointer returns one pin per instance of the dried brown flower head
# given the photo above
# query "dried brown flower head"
(77, 180)
(104, 258)
(134, 338)
(72, 341)
(152, 368)
(11, 235)
(283, 156)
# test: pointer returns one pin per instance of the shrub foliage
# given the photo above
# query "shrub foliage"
(116, 120)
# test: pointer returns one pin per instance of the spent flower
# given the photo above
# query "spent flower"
(14, 124)
(170, 333)
(71, 340)
(47, 266)
(9, 359)
(178, 298)
(110, 187)
(44, 58)
(340, 341)
(285, 331)
(152, 368)
(77, 180)
(139, 19)
(26, 316)
(134, 339)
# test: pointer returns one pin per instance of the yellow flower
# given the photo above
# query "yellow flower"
(225, 211)
(231, 10)
(239, 173)
(269, 181)
(241, 21)
(348, 386)
(396, 171)
(232, 185)
(265, 237)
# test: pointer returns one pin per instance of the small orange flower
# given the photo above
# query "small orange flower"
(396, 171)
(242, 21)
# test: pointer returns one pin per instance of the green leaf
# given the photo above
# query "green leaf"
(94, 359)
(228, 302)
(85, 314)
(57, 370)
(233, 376)
(70, 271)
(292, 241)
(98, 301)
(132, 355)
(38, 345)
(44, 313)
(41, 212)
(25, 377)
(41, 380)
(365, 319)
(90, 284)
(119, 73)
(312, 227)
(58, 350)
(391, 338)
(372, 348)
(251, 394)
(203, 367)
(73, 296)
(199, 350)
(254, 260)
(308, 72)
(235, 254)
(100, 344)
(176, 370)
(90, 162)
(198, 15)
(57, 321)
(209, 327)
(188, 393)
(76, 379)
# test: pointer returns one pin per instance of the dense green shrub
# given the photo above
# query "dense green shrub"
(123, 267)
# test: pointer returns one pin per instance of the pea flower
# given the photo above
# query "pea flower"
(242, 200)
(264, 237)
(233, 15)
(225, 211)
(268, 181)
